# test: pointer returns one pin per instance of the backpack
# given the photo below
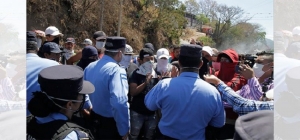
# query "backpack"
(54, 130)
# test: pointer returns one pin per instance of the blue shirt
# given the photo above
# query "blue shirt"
(58, 116)
(34, 65)
(111, 88)
(188, 105)
(242, 105)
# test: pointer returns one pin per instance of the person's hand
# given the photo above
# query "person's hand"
(148, 78)
(126, 136)
(246, 71)
(212, 79)
(175, 72)
(40, 33)
(166, 74)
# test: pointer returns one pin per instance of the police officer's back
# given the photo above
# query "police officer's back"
(62, 94)
(188, 104)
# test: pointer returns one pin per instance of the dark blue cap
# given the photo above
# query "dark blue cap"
(149, 45)
(31, 36)
(64, 81)
(145, 52)
(190, 50)
(114, 43)
(89, 51)
(51, 47)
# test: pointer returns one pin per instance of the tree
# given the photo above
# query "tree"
(202, 18)
(244, 37)
(207, 7)
(225, 17)
(192, 7)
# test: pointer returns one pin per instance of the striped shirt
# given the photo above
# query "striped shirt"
(242, 105)
(253, 90)
(7, 90)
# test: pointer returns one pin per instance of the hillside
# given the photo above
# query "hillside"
(80, 19)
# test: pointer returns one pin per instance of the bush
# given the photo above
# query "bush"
(207, 41)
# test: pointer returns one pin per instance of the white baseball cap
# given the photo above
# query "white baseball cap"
(162, 52)
(52, 30)
(128, 49)
(87, 42)
(296, 30)
(208, 50)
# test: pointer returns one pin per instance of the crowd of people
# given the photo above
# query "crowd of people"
(186, 91)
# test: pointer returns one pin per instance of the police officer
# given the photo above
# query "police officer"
(188, 103)
(62, 94)
(110, 113)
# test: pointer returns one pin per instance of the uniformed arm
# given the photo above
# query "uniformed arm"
(151, 100)
(218, 119)
(87, 104)
(118, 87)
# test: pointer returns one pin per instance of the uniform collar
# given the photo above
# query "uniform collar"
(110, 59)
(52, 117)
(189, 74)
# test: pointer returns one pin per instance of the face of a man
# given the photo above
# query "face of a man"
(69, 45)
(264, 61)
(224, 59)
(177, 52)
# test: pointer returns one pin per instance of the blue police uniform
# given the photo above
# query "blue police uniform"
(111, 87)
(34, 65)
(187, 103)
(58, 116)
(53, 86)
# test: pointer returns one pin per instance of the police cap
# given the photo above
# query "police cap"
(64, 81)
(114, 43)
(190, 50)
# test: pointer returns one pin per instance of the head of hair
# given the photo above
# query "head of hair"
(186, 61)
(267, 55)
(41, 105)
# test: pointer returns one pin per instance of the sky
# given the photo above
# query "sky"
(260, 10)
(13, 12)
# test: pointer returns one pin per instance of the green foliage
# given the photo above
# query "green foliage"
(170, 19)
(207, 41)
(202, 18)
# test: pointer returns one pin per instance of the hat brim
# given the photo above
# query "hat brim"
(166, 56)
(56, 34)
(87, 88)
(57, 51)
(69, 42)
(100, 37)
(129, 53)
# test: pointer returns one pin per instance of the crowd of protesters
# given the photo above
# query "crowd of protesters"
(186, 91)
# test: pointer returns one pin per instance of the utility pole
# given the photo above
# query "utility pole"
(120, 17)
(102, 8)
